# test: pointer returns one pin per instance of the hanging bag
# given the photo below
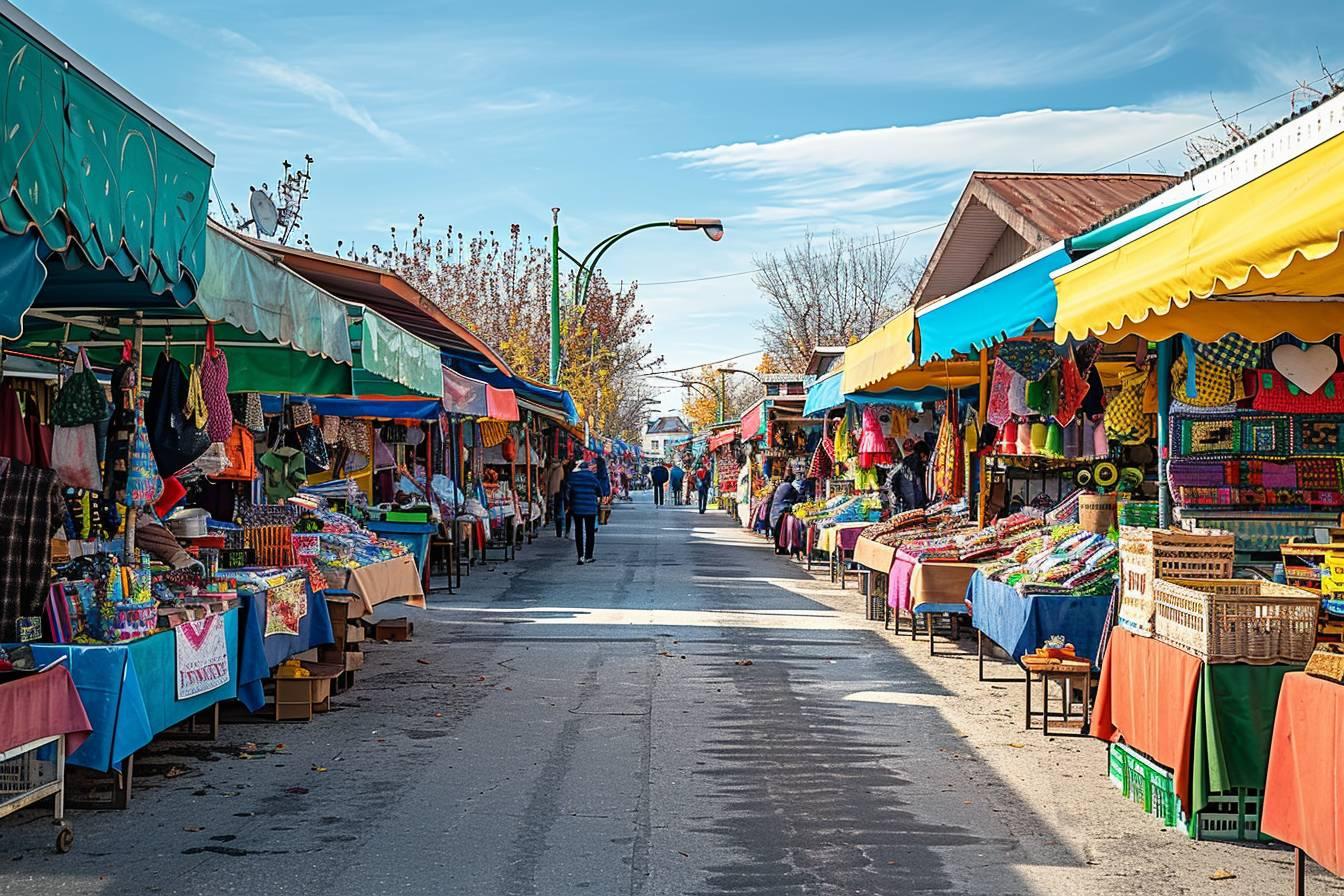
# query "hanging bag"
(215, 389)
(81, 400)
(143, 483)
(175, 440)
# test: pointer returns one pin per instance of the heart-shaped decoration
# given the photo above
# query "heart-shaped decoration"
(1306, 368)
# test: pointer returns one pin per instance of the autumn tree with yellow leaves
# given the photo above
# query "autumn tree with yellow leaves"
(500, 289)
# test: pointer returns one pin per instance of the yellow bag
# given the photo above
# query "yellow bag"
(1125, 420)
(195, 409)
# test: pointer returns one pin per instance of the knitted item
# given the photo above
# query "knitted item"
(215, 389)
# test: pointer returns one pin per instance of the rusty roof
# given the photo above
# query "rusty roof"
(1041, 208)
(1064, 205)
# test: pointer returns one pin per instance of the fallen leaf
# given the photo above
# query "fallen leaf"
(1017, 746)
(296, 790)
(508, 689)
(742, 663)
(423, 662)
(174, 772)
(192, 829)
(1222, 874)
(319, 768)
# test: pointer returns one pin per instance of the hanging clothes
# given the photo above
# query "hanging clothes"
(13, 434)
(31, 512)
(872, 441)
(947, 461)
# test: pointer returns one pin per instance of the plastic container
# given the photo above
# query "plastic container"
(415, 536)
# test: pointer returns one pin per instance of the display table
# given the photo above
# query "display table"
(259, 653)
(380, 582)
(1021, 623)
(914, 582)
(415, 536)
(874, 555)
(1303, 804)
(841, 536)
(40, 705)
(130, 691)
(1211, 724)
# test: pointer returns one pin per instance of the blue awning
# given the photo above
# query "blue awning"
(377, 408)
(557, 400)
(999, 307)
(1126, 224)
(824, 394)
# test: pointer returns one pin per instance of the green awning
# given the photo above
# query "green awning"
(1126, 224)
(96, 172)
(390, 361)
(258, 295)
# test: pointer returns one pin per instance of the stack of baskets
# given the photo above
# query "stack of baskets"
(1237, 620)
(1147, 555)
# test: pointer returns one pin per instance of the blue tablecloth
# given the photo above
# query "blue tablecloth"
(130, 691)
(1020, 624)
(258, 654)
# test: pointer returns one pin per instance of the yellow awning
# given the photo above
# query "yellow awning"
(942, 374)
(882, 353)
(1274, 239)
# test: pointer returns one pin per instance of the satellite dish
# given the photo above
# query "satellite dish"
(264, 214)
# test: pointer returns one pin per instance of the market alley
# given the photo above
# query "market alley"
(680, 717)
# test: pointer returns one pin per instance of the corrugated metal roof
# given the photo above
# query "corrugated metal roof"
(1042, 208)
(1063, 205)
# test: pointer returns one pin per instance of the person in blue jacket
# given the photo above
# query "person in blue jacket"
(585, 492)
(676, 480)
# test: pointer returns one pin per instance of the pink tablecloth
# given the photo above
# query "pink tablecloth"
(42, 705)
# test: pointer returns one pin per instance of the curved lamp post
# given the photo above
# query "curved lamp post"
(712, 228)
(724, 371)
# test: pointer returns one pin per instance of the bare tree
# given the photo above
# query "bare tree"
(830, 295)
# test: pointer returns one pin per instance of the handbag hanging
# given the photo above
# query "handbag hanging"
(81, 400)
(214, 372)
(143, 483)
(176, 442)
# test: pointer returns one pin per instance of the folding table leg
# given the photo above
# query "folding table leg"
(1299, 872)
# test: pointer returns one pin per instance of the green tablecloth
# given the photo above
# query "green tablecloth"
(1234, 724)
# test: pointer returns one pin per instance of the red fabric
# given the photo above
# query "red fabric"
(719, 439)
(173, 491)
(13, 434)
(42, 705)
(1304, 803)
(751, 424)
(502, 403)
(1147, 696)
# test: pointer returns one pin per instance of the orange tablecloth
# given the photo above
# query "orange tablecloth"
(1147, 695)
(1304, 802)
(874, 555)
(388, 580)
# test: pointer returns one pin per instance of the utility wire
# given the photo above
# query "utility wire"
(703, 364)
(1328, 77)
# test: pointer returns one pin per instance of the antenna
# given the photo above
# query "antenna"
(277, 216)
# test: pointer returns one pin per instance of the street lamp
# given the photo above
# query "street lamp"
(724, 371)
(712, 227)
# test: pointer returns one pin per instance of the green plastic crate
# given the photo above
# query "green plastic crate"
(1149, 785)
(1232, 816)
(1115, 767)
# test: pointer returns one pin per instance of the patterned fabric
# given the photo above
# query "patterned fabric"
(1213, 385)
(872, 441)
(1043, 395)
(1274, 393)
(215, 388)
(1072, 388)
(1319, 473)
(143, 483)
(195, 409)
(1319, 436)
(946, 461)
(1017, 396)
(493, 432)
(997, 411)
(1126, 422)
(1232, 352)
(31, 511)
(1032, 358)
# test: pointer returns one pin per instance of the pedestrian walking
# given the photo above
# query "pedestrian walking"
(785, 496)
(556, 473)
(660, 477)
(702, 486)
(585, 492)
(677, 479)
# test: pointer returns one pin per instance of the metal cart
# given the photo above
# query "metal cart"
(26, 778)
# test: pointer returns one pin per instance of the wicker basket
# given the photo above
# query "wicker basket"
(1150, 554)
(1237, 620)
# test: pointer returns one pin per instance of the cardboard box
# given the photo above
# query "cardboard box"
(293, 699)
(399, 629)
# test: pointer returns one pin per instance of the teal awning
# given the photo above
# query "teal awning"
(258, 295)
(1124, 225)
(1004, 305)
(824, 394)
(386, 354)
(827, 393)
(94, 171)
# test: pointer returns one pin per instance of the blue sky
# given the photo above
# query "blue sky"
(779, 117)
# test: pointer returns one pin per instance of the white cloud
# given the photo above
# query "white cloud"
(248, 56)
(858, 176)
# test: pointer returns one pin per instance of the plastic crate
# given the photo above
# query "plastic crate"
(1149, 786)
(1237, 620)
(1147, 555)
(1115, 766)
(1230, 816)
(1143, 514)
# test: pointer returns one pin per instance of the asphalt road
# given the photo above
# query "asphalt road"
(677, 718)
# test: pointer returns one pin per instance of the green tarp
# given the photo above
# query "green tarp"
(1234, 724)
(386, 354)
(94, 176)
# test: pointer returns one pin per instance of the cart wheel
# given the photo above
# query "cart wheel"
(65, 838)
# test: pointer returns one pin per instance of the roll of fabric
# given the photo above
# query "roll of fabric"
(1054, 440)
(1039, 433)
